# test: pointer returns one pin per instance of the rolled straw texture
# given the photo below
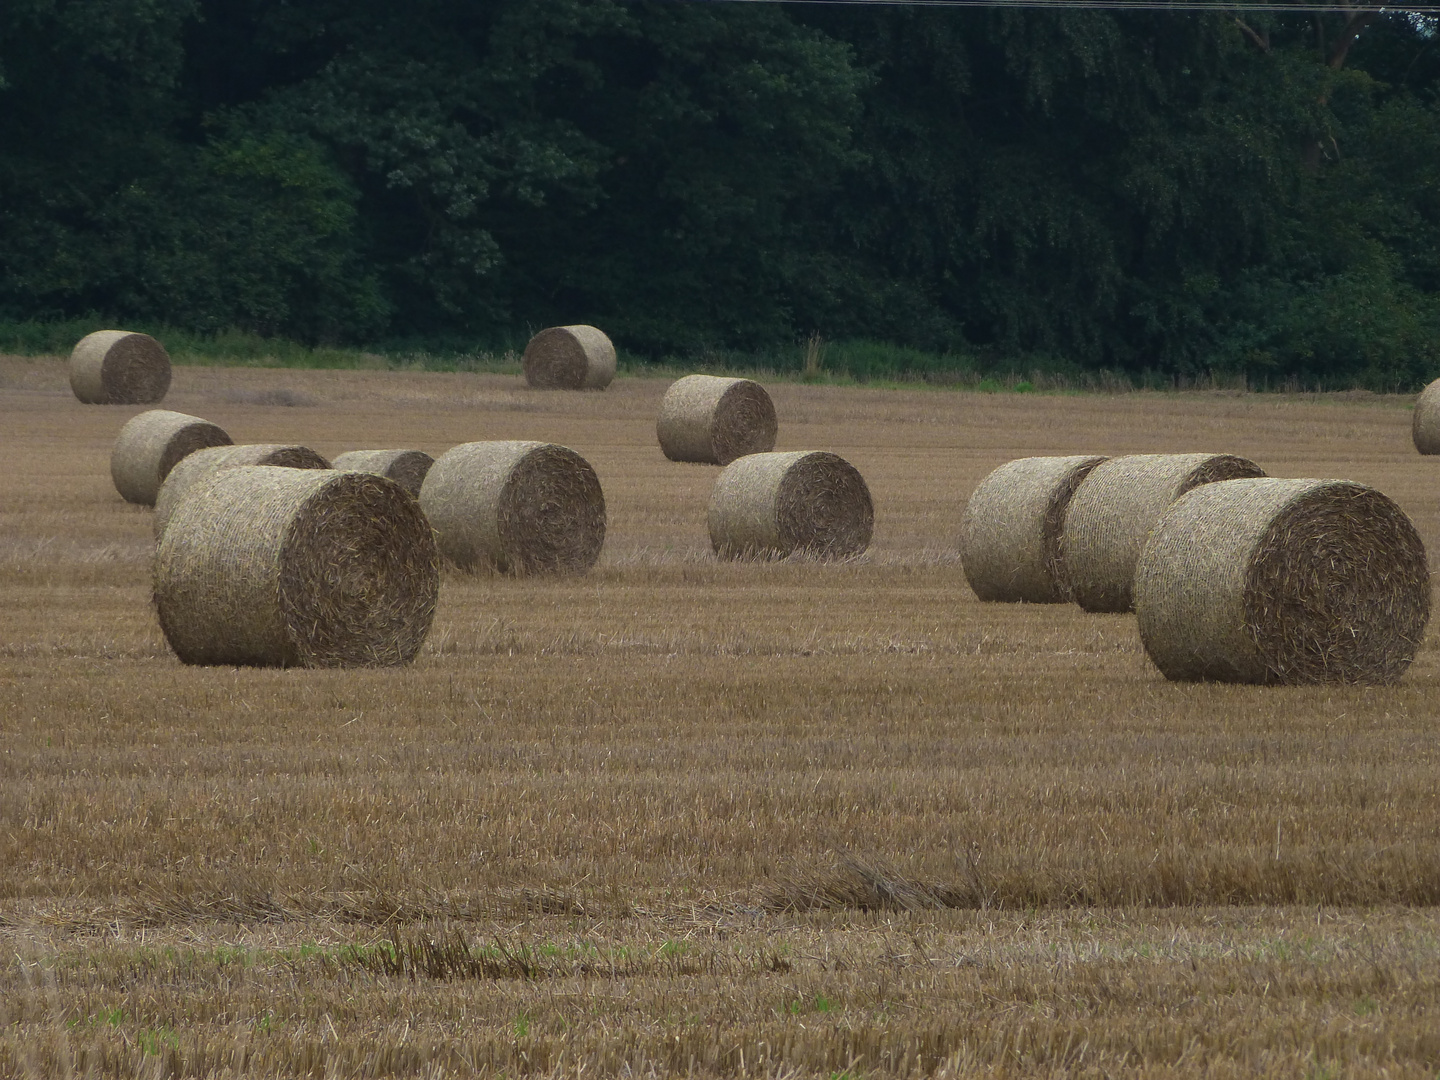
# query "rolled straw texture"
(1283, 581)
(516, 507)
(116, 367)
(1425, 424)
(151, 444)
(778, 504)
(569, 358)
(714, 420)
(1115, 507)
(1010, 534)
(292, 567)
(202, 463)
(406, 467)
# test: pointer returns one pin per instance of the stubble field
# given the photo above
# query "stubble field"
(686, 816)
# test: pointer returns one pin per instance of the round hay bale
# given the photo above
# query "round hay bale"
(1425, 424)
(1010, 534)
(150, 445)
(774, 505)
(406, 467)
(202, 463)
(116, 367)
(1283, 581)
(517, 507)
(569, 358)
(715, 420)
(290, 567)
(1114, 509)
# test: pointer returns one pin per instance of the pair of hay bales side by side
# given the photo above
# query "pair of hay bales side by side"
(1048, 530)
(538, 508)
(1234, 577)
(764, 504)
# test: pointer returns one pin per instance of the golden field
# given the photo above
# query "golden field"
(679, 816)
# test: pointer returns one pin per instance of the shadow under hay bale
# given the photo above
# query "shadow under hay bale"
(151, 444)
(1115, 507)
(117, 367)
(406, 467)
(281, 567)
(714, 420)
(203, 463)
(1425, 423)
(1010, 534)
(1283, 581)
(780, 504)
(517, 507)
(569, 358)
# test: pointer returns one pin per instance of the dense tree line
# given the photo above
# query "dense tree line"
(1168, 190)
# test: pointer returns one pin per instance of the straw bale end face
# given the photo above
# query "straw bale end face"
(1425, 423)
(713, 420)
(516, 507)
(1283, 581)
(570, 358)
(287, 567)
(1010, 534)
(151, 444)
(406, 467)
(799, 502)
(117, 367)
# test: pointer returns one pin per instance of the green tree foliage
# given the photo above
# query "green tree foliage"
(1147, 190)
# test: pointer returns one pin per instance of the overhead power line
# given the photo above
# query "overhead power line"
(1127, 5)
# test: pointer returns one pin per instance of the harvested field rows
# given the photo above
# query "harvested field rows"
(675, 811)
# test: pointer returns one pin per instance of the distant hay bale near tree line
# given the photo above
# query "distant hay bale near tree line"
(1010, 536)
(714, 420)
(203, 463)
(292, 567)
(1425, 424)
(1113, 510)
(116, 367)
(779, 504)
(151, 444)
(406, 467)
(569, 358)
(1283, 581)
(517, 507)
